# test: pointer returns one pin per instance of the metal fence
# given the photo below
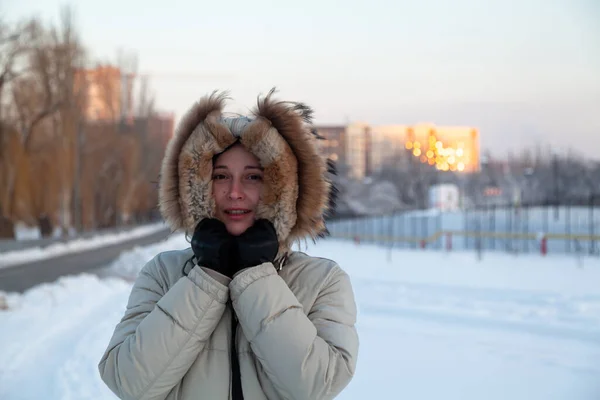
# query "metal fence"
(539, 229)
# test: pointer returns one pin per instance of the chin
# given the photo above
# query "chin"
(237, 228)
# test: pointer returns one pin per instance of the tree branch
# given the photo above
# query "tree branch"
(26, 136)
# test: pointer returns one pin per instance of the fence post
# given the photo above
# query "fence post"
(544, 245)
(569, 242)
(509, 223)
(439, 243)
(478, 244)
(492, 227)
(525, 227)
(403, 230)
(592, 222)
(391, 234)
(546, 216)
(413, 227)
(425, 226)
(466, 229)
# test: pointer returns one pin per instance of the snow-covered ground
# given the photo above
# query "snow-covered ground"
(432, 325)
(11, 258)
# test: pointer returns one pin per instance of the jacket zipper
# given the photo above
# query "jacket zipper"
(236, 383)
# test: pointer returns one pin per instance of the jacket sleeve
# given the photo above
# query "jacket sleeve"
(305, 356)
(162, 332)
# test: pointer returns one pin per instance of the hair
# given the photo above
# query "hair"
(236, 143)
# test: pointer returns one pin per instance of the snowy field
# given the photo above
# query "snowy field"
(432, 325)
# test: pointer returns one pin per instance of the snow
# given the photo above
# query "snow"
(432, 325)
(11, 258)
(24, 232)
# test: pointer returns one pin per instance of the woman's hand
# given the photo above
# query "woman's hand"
(257, 245)
(213, 246)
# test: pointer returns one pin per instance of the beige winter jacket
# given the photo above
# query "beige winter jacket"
(296, 337)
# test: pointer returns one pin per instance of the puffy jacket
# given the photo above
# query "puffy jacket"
(296, 337)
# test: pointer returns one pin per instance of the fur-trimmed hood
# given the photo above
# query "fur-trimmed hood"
(297, 188)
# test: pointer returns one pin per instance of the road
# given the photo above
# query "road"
(15, 245)
(19, 278)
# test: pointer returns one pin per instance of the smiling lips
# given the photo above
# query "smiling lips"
(237, 213)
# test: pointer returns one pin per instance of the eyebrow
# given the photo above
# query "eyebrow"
(246, 167)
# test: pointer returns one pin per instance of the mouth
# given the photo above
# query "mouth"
(237, 211)
(237, 214)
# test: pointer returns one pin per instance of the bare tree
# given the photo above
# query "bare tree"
(69, 59)
(128, 63)
(145, 103)
(52, 152)
(13, 45)
(44, 101)
(138, 190)
(106, 189)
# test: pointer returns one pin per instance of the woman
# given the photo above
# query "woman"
(239, 314)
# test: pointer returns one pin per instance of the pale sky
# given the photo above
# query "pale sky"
(514, 69)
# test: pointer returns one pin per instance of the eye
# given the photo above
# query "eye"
(218, 177)
(255, 177)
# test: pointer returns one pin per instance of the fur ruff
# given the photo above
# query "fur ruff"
(297, 185)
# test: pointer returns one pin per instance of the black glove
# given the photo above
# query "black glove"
(257, 245)
(213, 246)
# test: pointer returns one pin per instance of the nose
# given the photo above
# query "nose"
(236, 190)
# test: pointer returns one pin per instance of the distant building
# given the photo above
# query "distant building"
(334, 142)
(386, 145)
(449, 148)
(160, 130)
(365, 149)
(107, 93)
(357, 146)
(348, 146)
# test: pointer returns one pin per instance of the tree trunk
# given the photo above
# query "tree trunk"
(45, 225)
(10, 195)
(7, 228)
(77, 166)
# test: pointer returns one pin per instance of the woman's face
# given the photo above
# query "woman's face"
(237, 183)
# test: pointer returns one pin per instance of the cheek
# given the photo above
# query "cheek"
(255, 195)
(218, 195)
